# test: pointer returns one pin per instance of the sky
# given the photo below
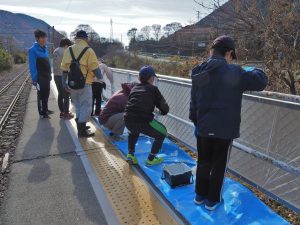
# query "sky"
(125, 14)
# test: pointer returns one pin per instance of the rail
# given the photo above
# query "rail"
(13, 102)
(11, 82)
(267, 155)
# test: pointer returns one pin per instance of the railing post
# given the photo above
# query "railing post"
(129, 78)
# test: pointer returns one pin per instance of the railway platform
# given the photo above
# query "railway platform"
(57, 178)
(48, 183)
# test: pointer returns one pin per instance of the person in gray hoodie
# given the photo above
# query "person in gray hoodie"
(63, 96)
(215, 109)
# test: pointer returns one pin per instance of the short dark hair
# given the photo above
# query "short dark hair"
(220, 51)
(39, 34)
(65, 42)
(143, 79)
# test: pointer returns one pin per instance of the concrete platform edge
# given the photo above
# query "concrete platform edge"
(108, 211)
(180, 220)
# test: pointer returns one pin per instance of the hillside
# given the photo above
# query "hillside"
(193, 39)
(225, 15)
(20, 27)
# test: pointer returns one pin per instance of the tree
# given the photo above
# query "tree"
(132, 34)
(264, 30)
(93, 35)
(63, 33)
(101, 46)
(140, 37)
(104, 40)
(167, 30)
(171, 28)
(282, 45)
(145, 31)
(156, 28)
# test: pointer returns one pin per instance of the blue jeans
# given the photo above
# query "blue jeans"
(82, 101)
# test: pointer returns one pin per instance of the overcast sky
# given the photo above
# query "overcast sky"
(66, 14)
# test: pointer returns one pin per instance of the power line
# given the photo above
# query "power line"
(66, 9)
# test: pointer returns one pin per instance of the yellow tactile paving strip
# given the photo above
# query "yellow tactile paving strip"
(130, 197)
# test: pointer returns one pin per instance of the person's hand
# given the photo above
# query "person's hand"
(249, 68)
(67, 89)
(162, 113)
(196, 131)
(34, 83)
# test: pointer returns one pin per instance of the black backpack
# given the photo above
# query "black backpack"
(76, 80)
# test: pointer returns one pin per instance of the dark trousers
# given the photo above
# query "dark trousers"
(213, 154)
(43, 95)
(97, 97)
(63, 96)
(145, 128)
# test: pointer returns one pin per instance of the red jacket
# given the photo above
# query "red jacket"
(117, 103)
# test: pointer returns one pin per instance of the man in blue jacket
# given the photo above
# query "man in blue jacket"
(215, 109)
(40, 71)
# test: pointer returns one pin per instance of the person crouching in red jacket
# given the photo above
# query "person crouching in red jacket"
(112, 115)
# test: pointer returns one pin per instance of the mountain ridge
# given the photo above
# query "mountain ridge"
(20, 27)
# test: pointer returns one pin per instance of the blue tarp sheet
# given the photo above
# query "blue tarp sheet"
(240, 205)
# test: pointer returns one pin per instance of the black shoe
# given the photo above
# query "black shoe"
(49, 112)
(82, 132)
(46, 116)
(86, 127)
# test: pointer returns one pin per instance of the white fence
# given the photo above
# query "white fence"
(267, 155)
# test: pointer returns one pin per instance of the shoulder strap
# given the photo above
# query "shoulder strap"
(82, 53)
(72, 54)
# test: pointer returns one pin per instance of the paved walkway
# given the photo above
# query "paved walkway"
(48, 183)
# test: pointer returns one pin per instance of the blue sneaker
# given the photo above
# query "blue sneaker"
(209, 205)
(199, 200)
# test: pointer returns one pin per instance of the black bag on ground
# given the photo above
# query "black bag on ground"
(76, 79)
(178, 174)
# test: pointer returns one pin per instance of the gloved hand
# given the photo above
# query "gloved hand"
(196, 131)
(248, 68)
(34, 83)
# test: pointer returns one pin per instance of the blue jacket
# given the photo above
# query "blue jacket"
(216, 96)
(39, 64)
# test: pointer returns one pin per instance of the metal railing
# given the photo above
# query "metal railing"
(267, 155)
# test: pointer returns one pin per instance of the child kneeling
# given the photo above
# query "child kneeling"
(139, 117)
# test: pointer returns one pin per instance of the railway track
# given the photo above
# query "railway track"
(9, 95)
(8, 76)
(13, 96)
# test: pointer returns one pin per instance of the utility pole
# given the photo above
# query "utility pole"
(51, 39)
(53, 35)
(48, 32)
(111, 31)
(198, 15)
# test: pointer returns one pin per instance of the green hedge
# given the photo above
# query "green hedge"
(5, 60)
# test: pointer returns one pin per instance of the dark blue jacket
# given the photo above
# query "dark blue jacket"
(142, 101)
(39, 64)
(216, 96)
